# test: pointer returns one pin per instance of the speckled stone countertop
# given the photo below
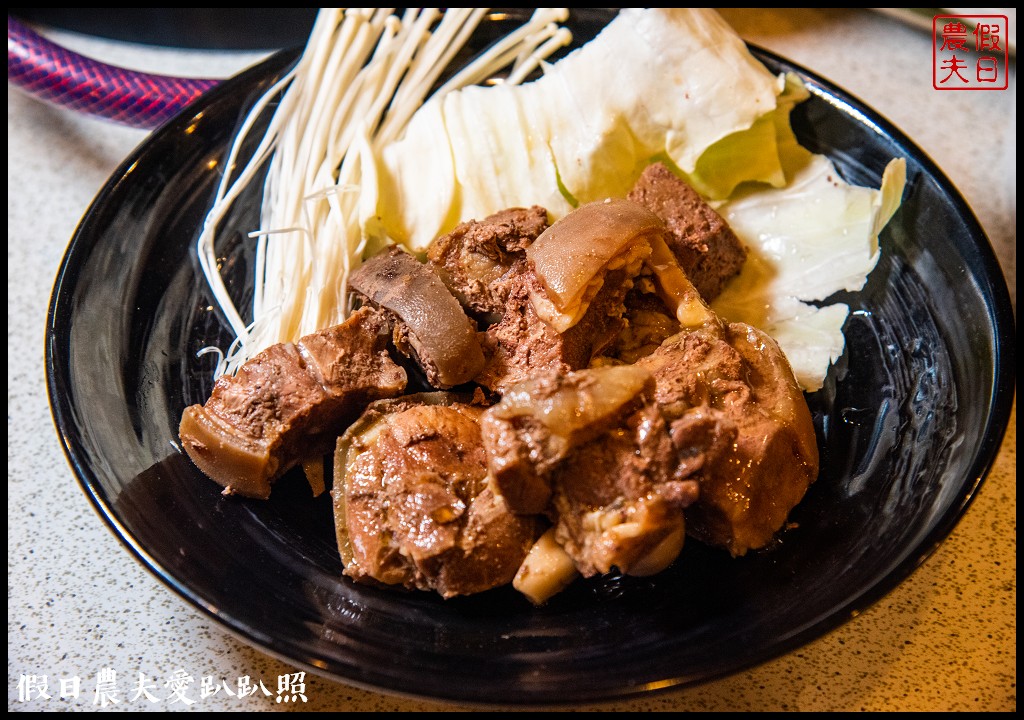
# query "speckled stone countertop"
(945, 639)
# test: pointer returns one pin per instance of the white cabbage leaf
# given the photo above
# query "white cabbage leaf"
(583, 131)
(808, 240)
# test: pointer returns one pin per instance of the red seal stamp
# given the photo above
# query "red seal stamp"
(970, 52)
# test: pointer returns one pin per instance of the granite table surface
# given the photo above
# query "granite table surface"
(944, 639)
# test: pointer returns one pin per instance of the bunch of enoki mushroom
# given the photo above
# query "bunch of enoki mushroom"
(531, 403)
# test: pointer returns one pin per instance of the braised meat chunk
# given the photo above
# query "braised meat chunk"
(477, 258)
(412, 505)
(736, 414)
(604, 411)
(704, 245)
(429, 324)
(647, 323)
(566, 306)
(591, 451)
(742, 428)
(290, 402)
(522, 346)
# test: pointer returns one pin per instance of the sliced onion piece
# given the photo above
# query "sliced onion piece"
(572, 256)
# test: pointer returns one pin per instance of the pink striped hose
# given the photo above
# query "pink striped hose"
(52, 73)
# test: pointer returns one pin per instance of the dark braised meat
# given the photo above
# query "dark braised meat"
(591, 450)
(412, 506)
(704, 245)
(742, 428)
(522, 346)
(477, 258)
(290, 402)
(647, 323)
(566, 306)
(430, 325)
(736, 415)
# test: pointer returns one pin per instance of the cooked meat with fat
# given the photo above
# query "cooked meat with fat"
(705, 246)
(430, 325)
(736, 414)
(565, 307)
(628, 414)
(290, 402)
(743, 429)
(595, 246)
(412, 506)
(591, 450)
(476, 259)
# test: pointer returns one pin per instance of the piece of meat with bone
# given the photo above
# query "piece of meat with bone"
(591, 450)
(477, 258)
(566, 306)
(289, 403)
(736, 414)
(430, 325)
(412, 505)
(704, 245)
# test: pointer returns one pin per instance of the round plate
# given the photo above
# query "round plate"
(908, 424)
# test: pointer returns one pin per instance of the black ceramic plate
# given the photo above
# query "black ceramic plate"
(908, 424)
